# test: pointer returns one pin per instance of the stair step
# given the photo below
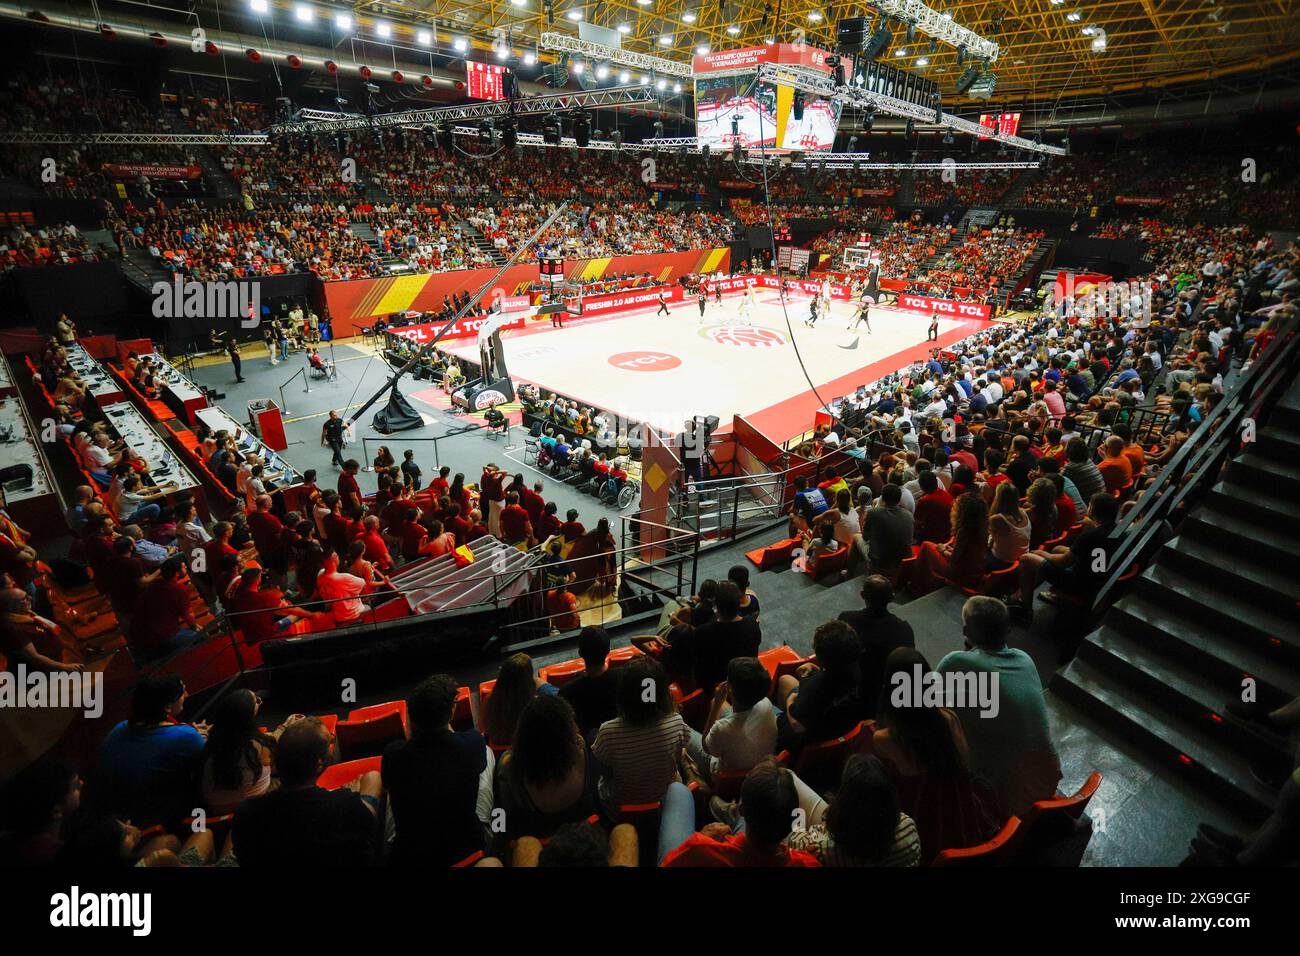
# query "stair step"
(1187, 638)
(1256, 471)
(1269, 586)
(1230, 613)
(1240, 500)
(1215, 766)
(1277, 442)
(1245, 537)
(1176, 686)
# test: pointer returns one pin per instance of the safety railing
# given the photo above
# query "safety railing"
(1197, 464)
(408, 441)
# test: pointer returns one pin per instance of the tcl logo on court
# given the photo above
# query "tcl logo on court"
(645, 361)
(746, 337)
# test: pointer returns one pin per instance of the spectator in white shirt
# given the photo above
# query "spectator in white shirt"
(737, 740)
(342, 590)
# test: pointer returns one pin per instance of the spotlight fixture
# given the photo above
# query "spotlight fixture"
(796, 108)
(303, 13)
(343, 21)
(581, 128)
(878, 43)
(383, 30)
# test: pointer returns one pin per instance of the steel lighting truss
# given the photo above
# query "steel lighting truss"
(135, 139)
(859, 161)
(567, 142)
(563, 43)
(943, 28)
(530, 105)
(817, 83)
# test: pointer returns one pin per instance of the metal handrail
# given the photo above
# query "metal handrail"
(1201, 455)
(437, 461)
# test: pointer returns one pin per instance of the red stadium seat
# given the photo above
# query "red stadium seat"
(560, 674)
(995, 852)
(1044, 811)
(342, 774)
(367, 736)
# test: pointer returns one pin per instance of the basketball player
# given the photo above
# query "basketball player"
(717, 292)
(703, 300)
(663, 304)
(812, 313)
(746, 305)
(933, 334)
(863, 316)
(785, 287)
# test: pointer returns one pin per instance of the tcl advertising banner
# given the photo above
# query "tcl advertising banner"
(839, 291)
(1139, 201)
(961, 310)
(626, 301)
(463, 328)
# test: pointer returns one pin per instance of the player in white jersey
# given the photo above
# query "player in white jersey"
(746, 305)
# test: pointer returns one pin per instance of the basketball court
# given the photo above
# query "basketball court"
(662, 370)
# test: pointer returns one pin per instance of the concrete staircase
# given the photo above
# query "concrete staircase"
(482, 242)
(1011, 199)
(1216, 606)
(366, 232)
(220, 184)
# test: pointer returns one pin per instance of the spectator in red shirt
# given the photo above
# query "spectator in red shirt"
(533, 502)
(549, 522)
(349, 490)
(411, 533)
(492, 490)
(216, 549)
(457, 524)
(933, 510)
(267, 531)
(125, 578)
(337, 525)
(769, 798)
(572, 529)
(440, 485)
(440, 542)
(515, 526)
(163, 622)
(262, 614)
(376, 548)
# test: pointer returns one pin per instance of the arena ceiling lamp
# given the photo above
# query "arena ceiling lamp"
(343, 21)
(424, 37)
(303, 13)
(260, 7)
(383, 30)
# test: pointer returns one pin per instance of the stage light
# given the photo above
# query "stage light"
(577, 68)
(733, 29)
(677, 87)
(303, 13)
(460, 44)
(423, 37)
(1074, 16)
(947, 138)
(383, 30)
(503, 53)
(661, 85)
(581, 130)
(688, 17)
(796, 108)
(259, 6)
(923, 61)
(645, 3)
(602, 72)
(574, 15)
(624, 28)
(901, 51)
(815, 16)
(518, 3)
(343, 21)
(530, 58)
(625, 77)
(968, 78)
(853, 145)
(666, 40)
(1099, 43)
(702, 49)
(645, 81)
(878, 43)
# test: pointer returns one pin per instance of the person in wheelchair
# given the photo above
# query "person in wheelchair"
(561, 451)
(614, 480)
(586, 480)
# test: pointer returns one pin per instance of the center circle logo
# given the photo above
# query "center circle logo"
(644, 361)
(745, 337)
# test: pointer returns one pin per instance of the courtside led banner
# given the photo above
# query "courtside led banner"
(960, 310)
(464, 328)
(627, 301)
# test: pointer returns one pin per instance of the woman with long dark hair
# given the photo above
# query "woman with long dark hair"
(237, 757)
(925, 751)
(549, 777)
(962, 558)
(861, 825)
(516, 685)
